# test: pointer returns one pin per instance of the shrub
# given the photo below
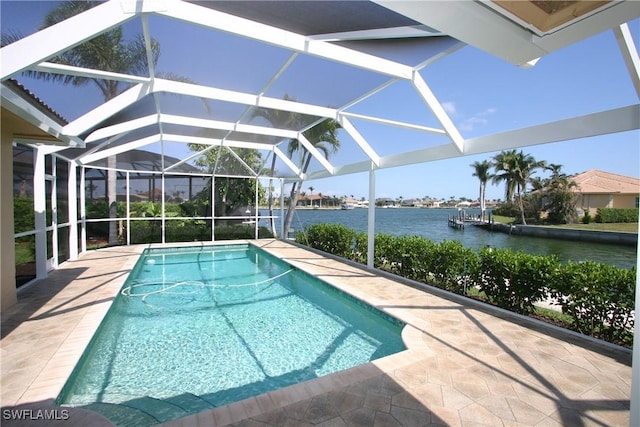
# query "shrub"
(360, 251)
(613, 215)
(145, 231)
(384, 253)
(241, 231)
(411, 256)
(23, 214)
(450, 264)
(599, 298)
(515, 280)
(507, 209)
(335, 239)
(178, 230)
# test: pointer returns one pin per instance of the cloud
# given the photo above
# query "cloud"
(449, 108)
(478, 120)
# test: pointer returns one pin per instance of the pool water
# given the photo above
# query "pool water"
(197, 328)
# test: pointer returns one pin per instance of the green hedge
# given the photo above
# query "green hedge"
(332, 238)
(613, 215)
(23, 214)
(515, 280)
(187, 230)
(148, 230)
(598, 297)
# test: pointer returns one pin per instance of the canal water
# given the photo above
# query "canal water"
(432, 224)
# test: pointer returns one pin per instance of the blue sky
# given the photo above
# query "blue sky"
(482, 94)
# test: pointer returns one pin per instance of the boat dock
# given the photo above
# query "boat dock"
(460, 220)
(456, 222)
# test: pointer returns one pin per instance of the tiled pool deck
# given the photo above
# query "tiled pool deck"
(463, 367)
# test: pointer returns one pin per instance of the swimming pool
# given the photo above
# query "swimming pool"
(197, 328)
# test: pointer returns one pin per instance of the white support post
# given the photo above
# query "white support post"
(40, 207)
(83, 212)
(256, 208)
(213, 207)
(72, 202)
(127, 195)
(282, 236)
(163, 221)
(371, 221)
(54, 214)
(634, 417)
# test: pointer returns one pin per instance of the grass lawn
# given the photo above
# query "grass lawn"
(626, 227)
(503, 219)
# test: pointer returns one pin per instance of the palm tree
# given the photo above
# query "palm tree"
(311, 194)
(516, 170)
(108, 52)
(481, 171)
(504, 166)
(324, 137)
(281, 119)
(559, 195)
(555, 169)
(525, 166)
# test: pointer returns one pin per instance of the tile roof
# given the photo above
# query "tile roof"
(597, 181)
(30, 97)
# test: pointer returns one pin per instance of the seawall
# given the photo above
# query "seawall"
(612, 237)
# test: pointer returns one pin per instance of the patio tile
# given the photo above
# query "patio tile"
(360, 417)
(452, 398)
(383, 419)
(477, 415)
(445, 416)
(411, 417)
(377, 402)
(408, 401)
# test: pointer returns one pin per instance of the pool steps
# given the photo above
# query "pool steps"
(148, 410)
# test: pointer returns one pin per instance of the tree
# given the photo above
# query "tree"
(504, 164)
(230, 193)
(516, 170)
(323, 136)
(525, 166)
(280, 119)
(108, 51)
(481, 171)
(559, 199)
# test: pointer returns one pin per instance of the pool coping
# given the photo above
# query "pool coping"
(53, 374)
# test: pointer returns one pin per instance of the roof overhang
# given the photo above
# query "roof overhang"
(522, 31)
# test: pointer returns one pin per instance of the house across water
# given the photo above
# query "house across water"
(600, 189)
